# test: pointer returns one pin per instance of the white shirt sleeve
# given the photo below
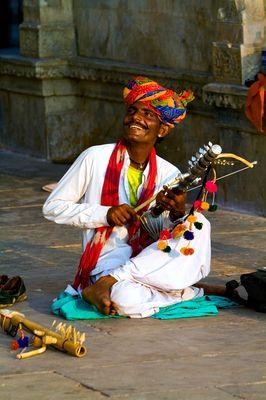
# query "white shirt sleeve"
(64, 205)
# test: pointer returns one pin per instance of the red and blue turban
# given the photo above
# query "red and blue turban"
(167, 104)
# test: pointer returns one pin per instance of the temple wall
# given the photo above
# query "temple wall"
(166, 34)
(61, 91)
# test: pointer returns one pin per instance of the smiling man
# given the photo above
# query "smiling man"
(121, 270)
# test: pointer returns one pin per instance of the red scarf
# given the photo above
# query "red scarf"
(138, 239)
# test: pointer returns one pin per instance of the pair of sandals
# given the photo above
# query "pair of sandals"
(12, 290)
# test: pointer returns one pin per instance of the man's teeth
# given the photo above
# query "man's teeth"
(136, 126)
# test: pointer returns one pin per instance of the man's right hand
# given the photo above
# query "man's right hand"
(121, 215)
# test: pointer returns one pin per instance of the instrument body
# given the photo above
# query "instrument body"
(197, 167)
(156, 219)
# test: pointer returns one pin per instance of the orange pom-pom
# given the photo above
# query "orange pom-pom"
(177, 235)
(192, 218)
(179, 230)
(162, 244)
(204, 205)
(187, 251)
(190, 251)
(14, 345)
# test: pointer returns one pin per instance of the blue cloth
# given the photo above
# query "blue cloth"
(73, 308)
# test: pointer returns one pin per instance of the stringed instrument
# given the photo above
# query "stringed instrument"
(156, 219)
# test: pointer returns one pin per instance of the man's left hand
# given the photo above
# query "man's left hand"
(175, 202)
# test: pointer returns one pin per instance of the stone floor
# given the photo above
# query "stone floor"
(222, 357)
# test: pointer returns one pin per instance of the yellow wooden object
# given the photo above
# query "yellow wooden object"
(65, 338)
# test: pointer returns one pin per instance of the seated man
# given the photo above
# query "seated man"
(121, 270)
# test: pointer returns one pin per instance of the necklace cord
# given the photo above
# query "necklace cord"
(141, 165)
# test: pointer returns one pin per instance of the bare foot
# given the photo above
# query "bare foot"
(220, 290)
(99, 295)
(217, 290)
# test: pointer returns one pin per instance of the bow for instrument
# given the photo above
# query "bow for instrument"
(156, 219)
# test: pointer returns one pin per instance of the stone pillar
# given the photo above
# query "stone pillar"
(236, 57)
(47, 29)
(240, 31)
(38, 99)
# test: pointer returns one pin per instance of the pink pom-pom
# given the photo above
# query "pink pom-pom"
(197, 204)
(211, 187)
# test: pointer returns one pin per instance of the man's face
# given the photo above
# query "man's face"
(141, 125)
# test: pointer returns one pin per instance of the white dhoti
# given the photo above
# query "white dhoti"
(155, 279)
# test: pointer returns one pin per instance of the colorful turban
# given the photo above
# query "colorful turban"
(167, 104)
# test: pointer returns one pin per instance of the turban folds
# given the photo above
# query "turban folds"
(168, 105)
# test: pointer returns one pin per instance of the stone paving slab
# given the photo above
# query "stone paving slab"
(49, 384)
(221, 357)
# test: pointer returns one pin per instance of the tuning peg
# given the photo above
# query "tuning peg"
(202, 151)
(198, 155)
(74, 336)
(190, 163)
(82, 338)
(210, 144)
(196, 181)
(68, 332)
(206, 147)
(58, 326)
(193, 159)
(62, 329)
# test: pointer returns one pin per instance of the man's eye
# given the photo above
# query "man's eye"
(149, 114)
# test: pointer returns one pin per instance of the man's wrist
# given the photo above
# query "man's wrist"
(108, 221)
(176, 215)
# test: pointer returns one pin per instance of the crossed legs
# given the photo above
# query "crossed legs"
(99, 295)
(148, 280)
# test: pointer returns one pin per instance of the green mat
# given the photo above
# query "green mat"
(73, 308)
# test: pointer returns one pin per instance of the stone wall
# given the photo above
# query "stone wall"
(165, 34)
(62, 91)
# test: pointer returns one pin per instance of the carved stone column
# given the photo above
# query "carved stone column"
(240, 31)
(37, 79)
(48, 29)
(236, 55)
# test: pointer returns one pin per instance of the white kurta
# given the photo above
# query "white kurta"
(155, 279)
(76, 202)
(77, 197)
